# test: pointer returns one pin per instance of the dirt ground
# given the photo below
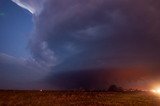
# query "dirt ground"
(77, 98)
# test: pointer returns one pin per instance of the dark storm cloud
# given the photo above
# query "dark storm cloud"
(98, 29)
(102, 78)
(79, 37)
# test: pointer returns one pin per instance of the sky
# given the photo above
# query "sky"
(73, 44)
(14, 31)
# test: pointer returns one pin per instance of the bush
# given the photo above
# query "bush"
(114, 88)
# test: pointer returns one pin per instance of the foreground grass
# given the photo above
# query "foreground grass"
(51, 98)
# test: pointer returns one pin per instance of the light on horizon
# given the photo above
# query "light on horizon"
(156, 90)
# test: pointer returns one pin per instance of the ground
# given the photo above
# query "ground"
(78, 98)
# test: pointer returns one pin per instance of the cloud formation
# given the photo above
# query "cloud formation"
(77, 35)
(33, 6)
(140, 78)
(99, 30)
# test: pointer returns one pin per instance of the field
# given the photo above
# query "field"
(66, 98)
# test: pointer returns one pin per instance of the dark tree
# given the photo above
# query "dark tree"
(114, 88)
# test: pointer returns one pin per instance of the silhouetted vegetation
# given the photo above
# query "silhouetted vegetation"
(114, 88)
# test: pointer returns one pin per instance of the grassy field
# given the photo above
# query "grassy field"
(53, 98)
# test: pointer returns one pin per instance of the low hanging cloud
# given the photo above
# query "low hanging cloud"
(72, 36)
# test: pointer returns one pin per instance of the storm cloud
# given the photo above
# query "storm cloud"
(77, 38)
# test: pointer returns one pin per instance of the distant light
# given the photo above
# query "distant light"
(154, 91)
(41, 90)
(157, 90)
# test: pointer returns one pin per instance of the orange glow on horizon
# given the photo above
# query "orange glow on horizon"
(156, 90)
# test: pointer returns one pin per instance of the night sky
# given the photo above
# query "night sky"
(73, 44)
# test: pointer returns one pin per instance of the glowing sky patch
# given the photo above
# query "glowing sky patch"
(25, 6)
(33, 6)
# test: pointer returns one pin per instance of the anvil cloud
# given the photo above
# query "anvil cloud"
(82, 37)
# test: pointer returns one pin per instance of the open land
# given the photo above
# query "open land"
(77, 98)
